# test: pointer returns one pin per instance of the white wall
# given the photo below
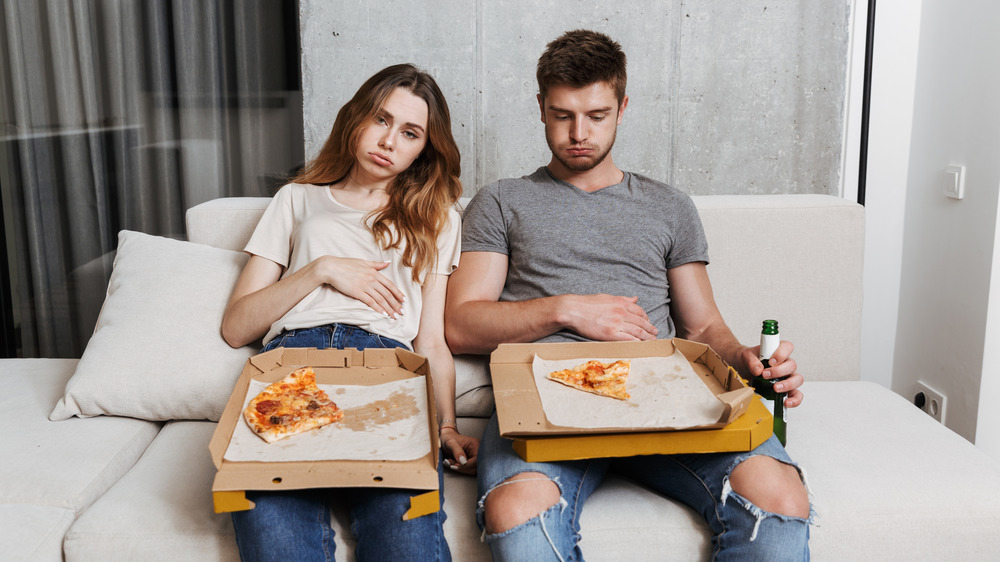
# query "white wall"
(892, 96)
(937, 61)
(988, 422)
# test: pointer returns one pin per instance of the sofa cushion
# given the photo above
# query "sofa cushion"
(65, 465)
(621, 512)
(161, 509)
(164, 505)
(157, 352)
(227, 222)
(53, 471)
(889, 482)
(33, 532)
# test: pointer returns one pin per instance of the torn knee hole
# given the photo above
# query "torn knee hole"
(517, 500)
(769, 484)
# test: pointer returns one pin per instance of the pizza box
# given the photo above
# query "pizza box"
(743, 424)
(332, 366)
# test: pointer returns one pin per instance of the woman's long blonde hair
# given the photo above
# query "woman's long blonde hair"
(421, 196)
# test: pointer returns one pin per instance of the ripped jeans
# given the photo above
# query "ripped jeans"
(740, 530)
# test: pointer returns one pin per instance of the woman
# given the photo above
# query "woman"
(356, 252)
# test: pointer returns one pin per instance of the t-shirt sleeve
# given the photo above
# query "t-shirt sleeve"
(449, 244)
(272, 239)
(483, 228)
(689, 243)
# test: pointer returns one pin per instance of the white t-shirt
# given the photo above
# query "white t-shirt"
(304, 222)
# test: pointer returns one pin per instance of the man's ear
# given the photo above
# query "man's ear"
(541, 106)
(621, 109)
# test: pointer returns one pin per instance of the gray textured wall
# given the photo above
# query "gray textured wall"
(725, 97)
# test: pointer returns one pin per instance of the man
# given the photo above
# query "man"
(580, 250)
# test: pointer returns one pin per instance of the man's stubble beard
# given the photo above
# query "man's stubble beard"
(585, 167)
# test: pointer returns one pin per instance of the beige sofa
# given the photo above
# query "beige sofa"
(132, 481)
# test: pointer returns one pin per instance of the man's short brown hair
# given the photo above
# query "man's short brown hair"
(579, 58)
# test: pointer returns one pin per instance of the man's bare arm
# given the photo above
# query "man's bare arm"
(476, 322)
(697, 318)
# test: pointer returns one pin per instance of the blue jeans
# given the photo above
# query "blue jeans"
(337, 336)
(741, 531)
(295, 524)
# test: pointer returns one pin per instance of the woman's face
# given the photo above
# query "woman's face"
(393, 140)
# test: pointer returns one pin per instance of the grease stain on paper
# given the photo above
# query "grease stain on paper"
(399, 405)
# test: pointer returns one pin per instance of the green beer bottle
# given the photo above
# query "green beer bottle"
(769, 339)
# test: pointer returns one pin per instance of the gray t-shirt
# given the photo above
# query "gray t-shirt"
(559, 239)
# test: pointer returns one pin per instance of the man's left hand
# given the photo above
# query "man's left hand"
(780, 366)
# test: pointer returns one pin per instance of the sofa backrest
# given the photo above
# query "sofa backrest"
(798, 259)
(795, 258)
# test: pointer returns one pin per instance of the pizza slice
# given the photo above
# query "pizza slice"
(291, 406)
(599, 378)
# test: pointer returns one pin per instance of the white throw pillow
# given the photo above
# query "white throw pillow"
(157, 352)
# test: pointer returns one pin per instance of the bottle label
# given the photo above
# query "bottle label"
(768, 345)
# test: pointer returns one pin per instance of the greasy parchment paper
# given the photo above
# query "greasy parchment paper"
(666, 394)
(384, 422)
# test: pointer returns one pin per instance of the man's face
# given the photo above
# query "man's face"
(580, 124)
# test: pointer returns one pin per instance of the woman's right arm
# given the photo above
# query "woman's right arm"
(259, 299)
(261, 296)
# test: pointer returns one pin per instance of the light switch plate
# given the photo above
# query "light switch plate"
(954, 185)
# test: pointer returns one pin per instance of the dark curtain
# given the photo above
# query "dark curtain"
(122, 114)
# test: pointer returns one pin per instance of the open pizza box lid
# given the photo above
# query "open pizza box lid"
(522, 416)
(366, 368)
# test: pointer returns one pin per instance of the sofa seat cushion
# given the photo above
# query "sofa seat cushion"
(889, 482)
(622, 516)
(33, 532)
(66, 464)
(161, 509)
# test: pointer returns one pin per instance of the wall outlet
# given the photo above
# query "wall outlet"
(930, 401)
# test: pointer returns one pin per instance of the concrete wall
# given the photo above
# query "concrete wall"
(733, 97)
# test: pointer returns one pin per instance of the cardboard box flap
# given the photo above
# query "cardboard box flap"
(735, 397)
(398, 357)
(282, 356)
